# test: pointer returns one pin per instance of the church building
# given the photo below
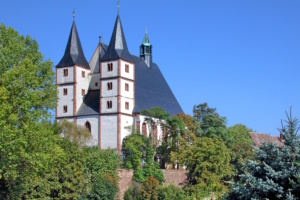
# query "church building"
(107, 94)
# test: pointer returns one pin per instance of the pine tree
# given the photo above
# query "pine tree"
(275, 173)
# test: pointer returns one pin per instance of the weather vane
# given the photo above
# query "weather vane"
(118, 6)
(73, 15)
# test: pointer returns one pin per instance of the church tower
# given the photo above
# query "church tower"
(117, 86)
(72, 77)
(146, 50)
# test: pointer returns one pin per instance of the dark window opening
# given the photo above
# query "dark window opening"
(109, 86)
(109, 104)
(65, 72)
(88, 126)
(65, 108)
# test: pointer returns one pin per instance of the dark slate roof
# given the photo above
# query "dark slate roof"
(90, 105)
(103, 50)
(73, 53)
(260, 138)
(151, 89)
(117, 47)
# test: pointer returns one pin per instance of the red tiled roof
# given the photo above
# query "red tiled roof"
(260, 138)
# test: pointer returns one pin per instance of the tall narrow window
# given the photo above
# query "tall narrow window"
(96, 84)
(127, 68)
(138, 126)
(88, 126)
(126, 105)
(109, 67)
(109, 104)
(83, 74)
(65, 91)
(126, 86)
(144, 130)
(155, 132)
(83, 92)
(109, 86)
(65, 109)
(65, 72)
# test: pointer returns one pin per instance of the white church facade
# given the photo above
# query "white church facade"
(107, 94)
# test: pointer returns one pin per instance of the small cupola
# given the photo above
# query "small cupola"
(146, 50)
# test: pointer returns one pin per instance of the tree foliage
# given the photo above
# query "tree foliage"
(134, 149)
(156, 112)
(35, 161)
(208, 163)
(201, 110)
(71, 131)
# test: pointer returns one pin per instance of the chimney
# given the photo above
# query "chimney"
(281, 137)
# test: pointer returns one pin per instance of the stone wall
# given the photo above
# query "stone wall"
(172, 176)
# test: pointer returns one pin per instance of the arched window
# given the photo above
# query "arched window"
(88, 126)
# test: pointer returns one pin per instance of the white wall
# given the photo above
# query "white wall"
(129, 75)
(95, 78)
(130, 101)
(82, 83)
(65, 79)
(109, 129)
(125, 122)
(109, 93)
(113, 73)
(68, 119)
(124, 93)
(94, 121)
(65, 100)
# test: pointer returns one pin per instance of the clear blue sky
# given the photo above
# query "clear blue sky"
(242, 57)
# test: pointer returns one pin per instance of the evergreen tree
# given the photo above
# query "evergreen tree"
(275, 173)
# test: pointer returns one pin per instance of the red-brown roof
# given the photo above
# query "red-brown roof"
(260, 138)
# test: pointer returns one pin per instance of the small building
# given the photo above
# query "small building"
(107, 94)
(260, 138)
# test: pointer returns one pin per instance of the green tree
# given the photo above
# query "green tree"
(201, 110)
(150, 189)
(27, 94)
(208, 164)
(242, 149)
(134, 149)
(174, 128)
(156, 112)
(275, 172)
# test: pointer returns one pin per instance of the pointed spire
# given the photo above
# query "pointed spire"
(117, 46)
(146, 38)
(146, 50)
(73, 53)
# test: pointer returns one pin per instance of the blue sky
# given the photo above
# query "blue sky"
(242, 57)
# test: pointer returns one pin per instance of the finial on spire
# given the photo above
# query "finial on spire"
(118, 6)
(100, 38)
(146, 29)
(73, 15)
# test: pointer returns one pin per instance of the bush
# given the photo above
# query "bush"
(105, 187)
(172, 193)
